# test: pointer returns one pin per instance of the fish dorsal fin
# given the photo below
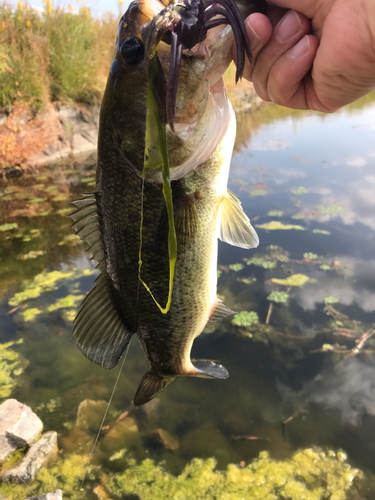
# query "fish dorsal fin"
(209, 369)
(220, 312)
(235, 227)
(151, 384)
(98, 328)
(86, 226)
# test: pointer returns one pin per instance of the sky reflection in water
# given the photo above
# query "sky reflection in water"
(314, 172)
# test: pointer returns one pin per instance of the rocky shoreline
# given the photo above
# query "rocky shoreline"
(67, 133)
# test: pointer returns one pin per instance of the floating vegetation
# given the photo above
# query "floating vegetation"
(239, 182)
(64, 211)
(321, 231)
(247, 281)
(9, 226)
(258, 192)
(11, 367)
(332, 210)
(70, 239)
(279, 297)
(277, 225)
(37, 200)
(46, 282)
(300, 190)
(236, 267)
(33, 254)
(61, 197)
(245, 318)
(70, 301)
(261, 261)
(310, 256)
(331, 300)
(310, 474)
(219, 273)
(298, 216)
(325, 267)
(278, 253)
(294, 280)
(31, 314)
(275, 213)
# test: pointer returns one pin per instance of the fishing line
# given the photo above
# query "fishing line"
(105, 413)
(30, 489)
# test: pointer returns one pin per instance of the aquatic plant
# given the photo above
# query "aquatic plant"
(9, 226)
(310, 474)
(280, 297)
(245, 318)
(299, 190)
(11, 367)
(325, 267)
(236, 267)
(293, 280)
(310, 256)
(331, 300)
(259, 192)
(275, 213)
(321, 231)
(277, 225)
(332, 210)
(261, 261)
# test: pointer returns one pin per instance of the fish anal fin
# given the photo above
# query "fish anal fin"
(98, 328)
(151, 385)
(209, 369)
(235, 227)
(221, 311)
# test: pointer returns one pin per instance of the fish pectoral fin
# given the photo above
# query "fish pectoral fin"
(235, 227)
(98, 328)
(220, 312)
(151, 384)
(209, 369)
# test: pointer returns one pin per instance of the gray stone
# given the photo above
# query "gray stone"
(56, 495)
(37, 456)
(90, 414)
(19, 426)
(2, 497)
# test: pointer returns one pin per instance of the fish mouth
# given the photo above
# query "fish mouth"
(191, 28)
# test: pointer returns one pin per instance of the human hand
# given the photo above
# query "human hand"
(331, 67)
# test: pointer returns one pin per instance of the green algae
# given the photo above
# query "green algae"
(299, 190)
(274, 225)
(47, 282)
(247, 281)
(293, 280)
(332, 210)
(280, 297)
(9, 226)
(325, 267)
(11, 367)
(321, 231)
(299, 215)
(258, 192)
(310, 256)
(245, 318)
(31, 314)
(219, 273)
(70, 301)
(236, 267)
(310, 474)
(331, 300)
(261, 261)
(33, 254)
(275, 213)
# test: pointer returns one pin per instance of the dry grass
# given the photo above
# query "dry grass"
(53, 55)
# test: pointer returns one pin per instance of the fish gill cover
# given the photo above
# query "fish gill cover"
(182, 25)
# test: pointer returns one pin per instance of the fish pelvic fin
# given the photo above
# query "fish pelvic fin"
(151, 385)
(221, 311)
(208, 369)
(235, 227)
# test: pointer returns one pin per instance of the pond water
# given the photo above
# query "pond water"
(302, 369)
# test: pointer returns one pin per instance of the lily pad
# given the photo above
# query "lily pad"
(280, 297)
(294, 280)
(245, 318)
(277, 225)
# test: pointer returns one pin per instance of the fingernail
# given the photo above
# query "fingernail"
(254, 38)
(300, 48)
(289, 25)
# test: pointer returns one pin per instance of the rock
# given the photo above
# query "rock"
(75, 440)
(19, 426)
(90, 414)
(120, 435)
(37, 456)
(2, 497)
(101, 493)
(56, 495)
(160, 437)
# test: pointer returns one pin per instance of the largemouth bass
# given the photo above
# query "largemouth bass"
(200, 148)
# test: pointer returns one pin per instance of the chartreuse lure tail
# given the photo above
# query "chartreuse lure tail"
(156, 154)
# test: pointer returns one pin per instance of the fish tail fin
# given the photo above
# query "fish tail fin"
(209, 369)
(151, 384)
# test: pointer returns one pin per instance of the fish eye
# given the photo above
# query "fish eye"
(132, 50)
